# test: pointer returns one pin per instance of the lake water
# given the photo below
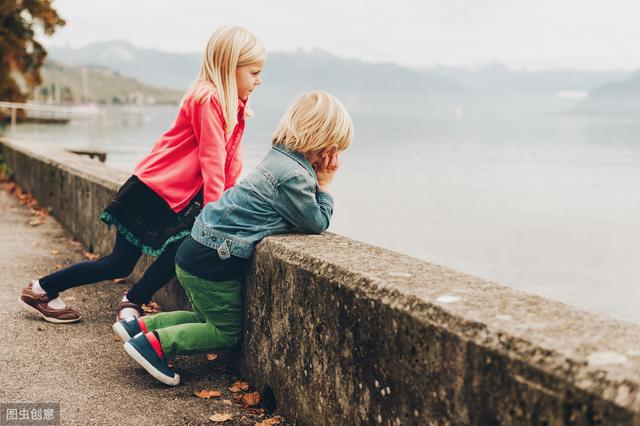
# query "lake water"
(547, 204)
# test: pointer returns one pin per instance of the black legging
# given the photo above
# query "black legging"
(118, 264)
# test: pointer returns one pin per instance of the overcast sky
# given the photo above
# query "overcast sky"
(587, 34)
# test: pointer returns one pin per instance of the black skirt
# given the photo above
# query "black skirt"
(146, 220)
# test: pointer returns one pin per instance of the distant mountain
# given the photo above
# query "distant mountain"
(74, 83)
(360, 84)
(150, 66)
(616, 98)
(496, 77)
(374, 88)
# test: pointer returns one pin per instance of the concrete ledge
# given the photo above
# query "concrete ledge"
(345, 333)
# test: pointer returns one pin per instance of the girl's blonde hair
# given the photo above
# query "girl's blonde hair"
(229, 47)
(314, 121)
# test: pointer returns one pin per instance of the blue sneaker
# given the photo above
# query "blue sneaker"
(127, 328)
(139, 348)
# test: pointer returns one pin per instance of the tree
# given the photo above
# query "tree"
(21, 55)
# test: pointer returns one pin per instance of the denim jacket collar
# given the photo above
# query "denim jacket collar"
(300, 158)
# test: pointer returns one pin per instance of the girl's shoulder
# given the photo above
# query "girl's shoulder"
(199, 97)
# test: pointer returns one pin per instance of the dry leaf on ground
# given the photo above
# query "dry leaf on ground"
(151, 308)
(212, 357)
(238, 386)
(220, 417)
(54, 252)
(251, 399)
(208, 394)
(119, 280)
(89, 255)
(36, 222)
(276, 420)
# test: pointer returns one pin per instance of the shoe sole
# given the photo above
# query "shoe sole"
(159, 375)
(33, 310)
(121, 332)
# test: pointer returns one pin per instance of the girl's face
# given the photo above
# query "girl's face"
(248, 78)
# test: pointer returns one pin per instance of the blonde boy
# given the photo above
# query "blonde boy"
(287, 192)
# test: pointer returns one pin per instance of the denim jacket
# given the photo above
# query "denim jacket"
(279, 196)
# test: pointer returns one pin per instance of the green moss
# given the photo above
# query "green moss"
(5, 171)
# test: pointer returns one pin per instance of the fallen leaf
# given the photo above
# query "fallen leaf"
(276, 420)
(36, 222)
(39, 212)
(254, 410)
(234, 389)
(10, 187)
(241, 385)
(227, 401)
(220, 417)
(208, 394)
(119, 280)
(151, 308)
(212, 357)
(251, 399)
(75, 243)
(89, 255)
(54, 252)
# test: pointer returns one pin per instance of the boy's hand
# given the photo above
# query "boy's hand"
(326, 170)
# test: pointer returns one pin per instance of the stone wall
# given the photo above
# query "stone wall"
(340, 332)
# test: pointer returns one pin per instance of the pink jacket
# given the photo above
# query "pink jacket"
(193, 152)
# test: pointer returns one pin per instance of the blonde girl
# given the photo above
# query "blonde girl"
(190, 165)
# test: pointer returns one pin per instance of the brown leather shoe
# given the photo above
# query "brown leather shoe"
(123, 305)
(37, 303)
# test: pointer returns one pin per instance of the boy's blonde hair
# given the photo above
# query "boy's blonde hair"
(229, 47)
(313, 122)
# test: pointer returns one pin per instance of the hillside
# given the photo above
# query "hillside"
(617, 98)
(73, 83)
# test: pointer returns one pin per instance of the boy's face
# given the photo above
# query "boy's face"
(248, 78)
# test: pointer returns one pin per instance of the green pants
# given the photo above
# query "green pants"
(215, 323)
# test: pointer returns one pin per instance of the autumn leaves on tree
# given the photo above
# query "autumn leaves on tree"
(23, 56)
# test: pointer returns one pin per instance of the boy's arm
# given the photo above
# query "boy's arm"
(299, 204)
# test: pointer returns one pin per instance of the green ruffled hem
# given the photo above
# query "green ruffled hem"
(109, 219)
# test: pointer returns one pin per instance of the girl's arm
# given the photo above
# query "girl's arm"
(208, 126)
